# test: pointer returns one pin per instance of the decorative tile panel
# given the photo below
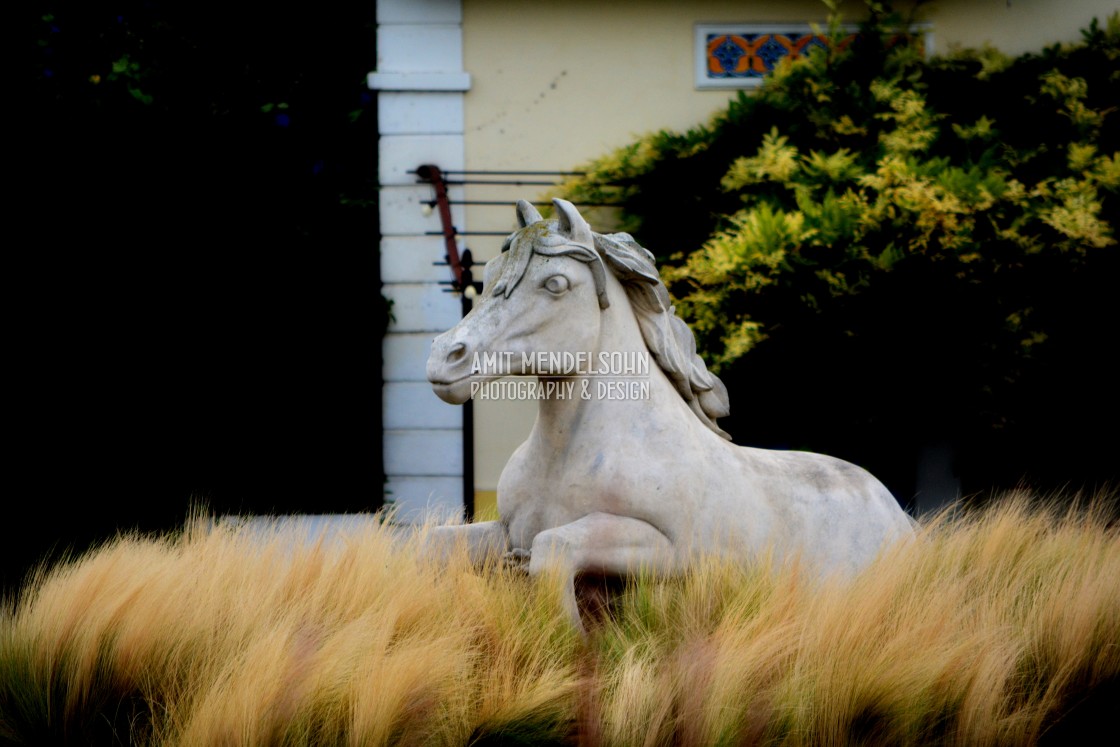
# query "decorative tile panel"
(741, 55)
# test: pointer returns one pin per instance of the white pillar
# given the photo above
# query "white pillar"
(420, 83)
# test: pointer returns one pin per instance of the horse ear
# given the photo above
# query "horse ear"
(572, 223)
(527, 214)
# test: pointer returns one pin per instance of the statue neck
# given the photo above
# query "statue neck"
(628, 388)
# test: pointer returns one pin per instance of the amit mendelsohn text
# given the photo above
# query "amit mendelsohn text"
(564, 363)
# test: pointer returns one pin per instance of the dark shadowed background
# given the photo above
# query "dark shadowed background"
(194, 306)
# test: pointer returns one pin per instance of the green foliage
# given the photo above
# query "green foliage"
(861, 193)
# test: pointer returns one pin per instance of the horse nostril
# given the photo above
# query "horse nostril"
(457, 352)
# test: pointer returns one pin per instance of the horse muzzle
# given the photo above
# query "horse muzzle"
(449, 369)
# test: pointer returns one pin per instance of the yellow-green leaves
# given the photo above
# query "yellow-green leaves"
(838, 166)
(913, 127)
(751, 250)
(845, 170)
(1106, 171)
(1077, 216)
(982, 129)
(1071, 93)
(776, 161)
(779, 162)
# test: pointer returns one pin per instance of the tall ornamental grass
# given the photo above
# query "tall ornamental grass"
(997, 627)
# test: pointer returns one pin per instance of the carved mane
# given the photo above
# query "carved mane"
(665, 334)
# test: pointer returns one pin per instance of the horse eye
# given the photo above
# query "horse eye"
(556, 284)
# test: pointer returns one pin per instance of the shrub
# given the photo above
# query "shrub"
(881, 250)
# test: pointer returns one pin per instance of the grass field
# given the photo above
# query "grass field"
(992, 628)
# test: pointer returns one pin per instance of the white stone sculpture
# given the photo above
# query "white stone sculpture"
(645, 481)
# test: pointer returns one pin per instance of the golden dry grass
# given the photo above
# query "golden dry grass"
(999, 627)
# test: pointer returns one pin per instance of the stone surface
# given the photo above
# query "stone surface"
(404, 356)
(402, 213)
(424, 452)
(405, 113)
(410, 404)
(616, 484)
(416, 499)
(421, 307)
(419, 48)
(420, 81)
(419, 11)
(399, 155)
(412, 259)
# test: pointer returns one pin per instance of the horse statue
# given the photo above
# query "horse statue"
(644, 482)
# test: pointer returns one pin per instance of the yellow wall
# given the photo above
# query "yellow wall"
(1014, 26)
(555, 84)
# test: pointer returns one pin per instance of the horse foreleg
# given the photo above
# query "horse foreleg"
(483, 540)
(602, 544)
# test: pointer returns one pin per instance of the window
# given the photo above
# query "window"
(741, 55)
